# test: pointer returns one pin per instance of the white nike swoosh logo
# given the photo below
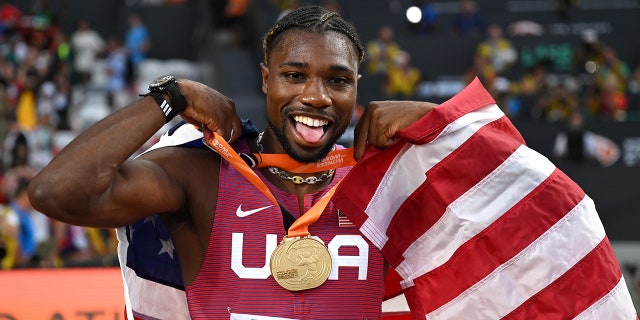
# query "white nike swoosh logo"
(241, 213)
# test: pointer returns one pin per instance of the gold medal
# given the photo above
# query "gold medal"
(300, 263)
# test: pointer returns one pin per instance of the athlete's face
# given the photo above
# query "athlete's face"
(311, 86)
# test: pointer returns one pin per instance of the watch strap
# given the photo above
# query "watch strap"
(166, 108)
(179, 103)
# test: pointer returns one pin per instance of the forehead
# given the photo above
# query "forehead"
(298, 45)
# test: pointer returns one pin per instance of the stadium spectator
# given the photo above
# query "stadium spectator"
(497, 49)
(17, 148)
(235, 13)
(6, 115)
(9, 235)
(87, 44)
(28, 81)
(402, 77)
(10, 17)
(481, 68)
(15, 187)
(430, 22)
(115, 63)
(527, 90)
(137, 41)
(42, 140)
(62, 99)
(588, 55)
(381, 51)
(557, 104)
(611, 81)
(468, 21)
(61, 51)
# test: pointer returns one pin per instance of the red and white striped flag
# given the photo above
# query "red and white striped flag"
(479, 226)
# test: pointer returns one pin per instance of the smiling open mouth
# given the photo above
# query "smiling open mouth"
(310, 129)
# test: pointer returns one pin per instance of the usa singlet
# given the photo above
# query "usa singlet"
(235, 280)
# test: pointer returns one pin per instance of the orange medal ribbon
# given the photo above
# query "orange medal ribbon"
(335, 159)
(300, 228)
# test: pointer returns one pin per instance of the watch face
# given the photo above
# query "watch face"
(161, 81)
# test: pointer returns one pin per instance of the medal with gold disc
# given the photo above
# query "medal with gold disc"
(300, 263)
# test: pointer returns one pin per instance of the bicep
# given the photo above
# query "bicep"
(140, 188)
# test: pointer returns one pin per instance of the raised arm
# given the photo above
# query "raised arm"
(92, 181)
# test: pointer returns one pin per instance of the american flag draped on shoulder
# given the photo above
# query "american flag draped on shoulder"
(479, 226)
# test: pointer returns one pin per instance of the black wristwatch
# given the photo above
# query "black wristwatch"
(169, 85)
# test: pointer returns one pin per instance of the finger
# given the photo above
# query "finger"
(360, 136)
(388, 136)
(208, 135)
(236, 130)
(377, 130)
(230, 130)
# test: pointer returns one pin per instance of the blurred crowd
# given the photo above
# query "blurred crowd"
(596, 83)
(45, 75)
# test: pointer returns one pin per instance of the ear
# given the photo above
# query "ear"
(265, 76)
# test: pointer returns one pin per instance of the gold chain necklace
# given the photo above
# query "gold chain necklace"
(295, 179)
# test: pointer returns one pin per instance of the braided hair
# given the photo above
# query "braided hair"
(312, 19)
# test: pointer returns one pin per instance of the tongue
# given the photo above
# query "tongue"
(309, 134)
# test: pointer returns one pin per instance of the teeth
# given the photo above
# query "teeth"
(310, 121)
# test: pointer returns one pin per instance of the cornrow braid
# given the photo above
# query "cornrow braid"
(314, 19)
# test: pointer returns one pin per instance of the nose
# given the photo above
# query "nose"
(316, 94)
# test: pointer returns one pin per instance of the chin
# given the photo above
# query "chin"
(305, 155)
(311, 156)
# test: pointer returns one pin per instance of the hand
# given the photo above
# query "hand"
(210, 110)
(382, 120)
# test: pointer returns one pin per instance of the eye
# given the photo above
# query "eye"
(340, 81)
(293, 76)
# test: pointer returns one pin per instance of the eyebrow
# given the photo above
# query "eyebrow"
(336, 67)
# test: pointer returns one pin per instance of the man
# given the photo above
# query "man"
(217, 221)
(87, 44)
(137, 42)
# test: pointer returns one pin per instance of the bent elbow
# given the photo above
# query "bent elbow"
(47, 197)
(40, 196)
